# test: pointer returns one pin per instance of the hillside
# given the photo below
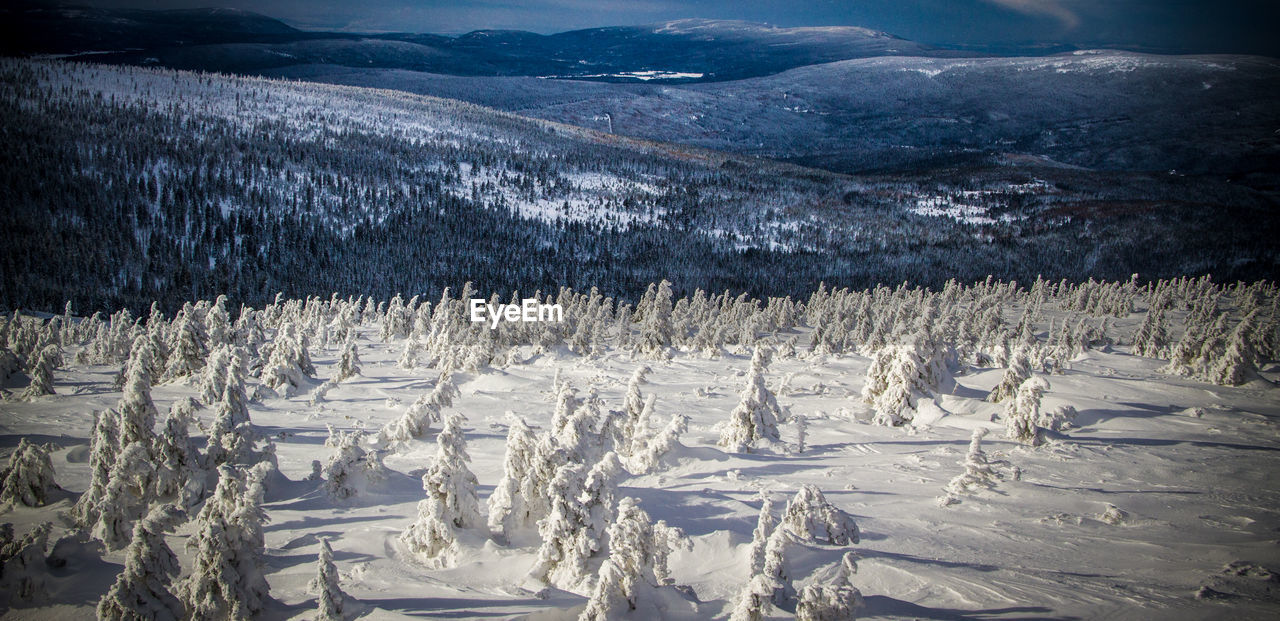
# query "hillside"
(137, 184)
(1103, 109)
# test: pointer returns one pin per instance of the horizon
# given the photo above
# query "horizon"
(1232, 27)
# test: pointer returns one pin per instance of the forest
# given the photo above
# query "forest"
(130, 185)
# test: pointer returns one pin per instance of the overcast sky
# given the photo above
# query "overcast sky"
(1187, 25)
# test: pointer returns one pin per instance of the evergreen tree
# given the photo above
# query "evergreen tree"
(42, 373)
(451, 504)
(1022, 414)
(28, 479)
(226, 579)
(103, 448)
(1019, 370)
(835, 601)
(757, 415)
(349, 365)
(325, 584)
(142, 591)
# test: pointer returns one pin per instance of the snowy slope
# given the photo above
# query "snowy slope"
(1189, 465)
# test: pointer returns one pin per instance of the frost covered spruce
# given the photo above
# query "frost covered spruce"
(144, 589)
(350, 468)
(1018, 372)
(757, 415)
(42, 373)
(1022, 414)
(636, 568)
(582, 506)
(421, 414)
(837, 600)
(226, 580)
(329, 602)
(978, 473)
(518, 500)
(451, 504)
(24, 567)
(28, 478)
(808, 518)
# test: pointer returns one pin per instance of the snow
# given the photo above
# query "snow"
(1140, 509)
(644, 75)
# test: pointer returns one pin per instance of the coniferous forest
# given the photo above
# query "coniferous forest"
(132, 185)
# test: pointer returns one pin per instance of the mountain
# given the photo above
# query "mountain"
(233, 41)
(43, 28)
(1109, 110)
(125, 185)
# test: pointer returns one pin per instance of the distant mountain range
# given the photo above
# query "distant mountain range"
(236, 41)
(845, 99)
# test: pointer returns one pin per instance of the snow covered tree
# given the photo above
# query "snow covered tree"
(42, 373)
(810, 517)
(214, 377)
(130, 489)
(187, 350)
(349, 364)
(1152, 338)
(560, 553)
(802, 431)
(325, 584)
(776, 566)
(566, 404)
(9, 364)
(634, 403)
(103, 447)
(899, 376)
(757, 415)
(217, 323)
(136, 411)
(581, 436)
(24, 565)
(655, 329)
(977, 473)
(636, 566)
(28, 479)
(1238, 363)
(289, 365)
(451, 504)
(351, 468)
(417, 419)
(231, 439)
(226, 580)
(838, 600)
(1019, 370)
(508, 507)
(142, 591)
(179, 475)
(1023, 412)
(760, 537)
(648, 450)
(582, 505)
(755, 600)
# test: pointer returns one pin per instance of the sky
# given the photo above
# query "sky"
(1238, 26)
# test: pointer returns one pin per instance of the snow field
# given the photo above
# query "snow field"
(1159, 499)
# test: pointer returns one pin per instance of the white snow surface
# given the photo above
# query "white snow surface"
(1198, 492)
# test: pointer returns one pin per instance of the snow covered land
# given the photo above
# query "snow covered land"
(1054, 451)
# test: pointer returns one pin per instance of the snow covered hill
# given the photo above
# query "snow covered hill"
(1138, 489)
(133, 185)
(1101, 109)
